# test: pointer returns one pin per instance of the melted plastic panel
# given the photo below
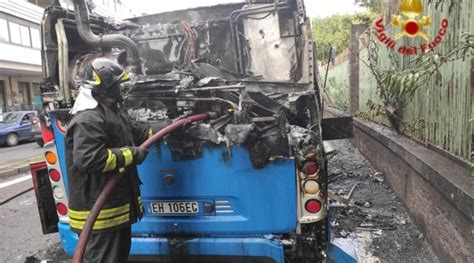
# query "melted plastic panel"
(272, 55)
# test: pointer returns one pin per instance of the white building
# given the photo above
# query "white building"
(20, 47)
(20, 55)
(107, 8)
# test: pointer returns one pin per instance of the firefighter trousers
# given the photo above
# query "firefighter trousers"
(108, 247)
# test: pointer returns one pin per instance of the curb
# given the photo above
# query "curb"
(23, 167)
(15, 171)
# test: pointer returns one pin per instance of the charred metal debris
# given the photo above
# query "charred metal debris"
(251, 63)
(193, 67)
(270, 125)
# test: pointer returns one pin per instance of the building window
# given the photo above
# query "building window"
(35, 38)
(20, 34)
(3, 30)
(25, 36)
(15, 35)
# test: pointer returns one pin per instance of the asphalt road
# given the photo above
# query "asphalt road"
(20, 226)
(21, 152)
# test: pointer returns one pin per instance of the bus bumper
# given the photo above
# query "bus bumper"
(268, 250)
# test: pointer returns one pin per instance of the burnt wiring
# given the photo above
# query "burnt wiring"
(191, 38)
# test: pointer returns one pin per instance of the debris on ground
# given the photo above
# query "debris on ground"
(375, 220)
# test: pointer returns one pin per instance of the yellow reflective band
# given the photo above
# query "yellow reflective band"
(150, 133)
(104, 213)
(125, 77)
(127, 155)
(111, 162)
(101, 224)
(96, 77)
(140, 203)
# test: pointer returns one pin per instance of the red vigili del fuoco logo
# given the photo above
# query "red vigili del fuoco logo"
(411, 25)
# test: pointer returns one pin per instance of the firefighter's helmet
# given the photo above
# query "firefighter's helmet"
(103, 73)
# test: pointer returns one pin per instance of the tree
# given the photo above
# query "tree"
(374, 6)
(334, 31)
(331, 31)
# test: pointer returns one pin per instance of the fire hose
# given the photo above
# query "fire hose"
(112, 182)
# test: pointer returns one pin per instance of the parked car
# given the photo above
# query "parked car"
(16, 126)
(36, 131)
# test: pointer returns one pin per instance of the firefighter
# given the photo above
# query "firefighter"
(100, 141)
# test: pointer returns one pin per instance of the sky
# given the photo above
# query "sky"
(314, 8)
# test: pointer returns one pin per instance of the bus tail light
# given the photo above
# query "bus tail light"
(313, 206)
(54, 175)
(57, 181)
(58, 192)
(311, 187)
(51, 158)
(310, 168)
(62, 209)
(311, 181)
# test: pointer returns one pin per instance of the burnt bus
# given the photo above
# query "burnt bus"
(248, 186)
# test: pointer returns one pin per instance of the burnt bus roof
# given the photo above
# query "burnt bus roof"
(204, 13)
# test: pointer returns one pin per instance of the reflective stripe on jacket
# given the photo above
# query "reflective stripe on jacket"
(97, 144)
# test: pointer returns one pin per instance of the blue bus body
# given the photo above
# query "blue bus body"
(249, 207)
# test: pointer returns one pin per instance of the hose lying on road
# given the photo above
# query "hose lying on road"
(109, 186)
(8, 199)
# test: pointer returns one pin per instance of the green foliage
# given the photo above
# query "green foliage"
(374, 6)
(403, 83)
(373, 111)
(412, 128)
(334, 31)
(398, 84)
(331, 31)
(337, 94)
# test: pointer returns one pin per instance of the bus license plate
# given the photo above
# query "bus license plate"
(174, 207)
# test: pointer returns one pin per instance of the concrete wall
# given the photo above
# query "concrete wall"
(436, 188)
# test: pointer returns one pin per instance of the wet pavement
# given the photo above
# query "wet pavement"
(22, 236)
(375, 224)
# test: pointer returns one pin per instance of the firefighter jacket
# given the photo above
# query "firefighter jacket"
(98, 144)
